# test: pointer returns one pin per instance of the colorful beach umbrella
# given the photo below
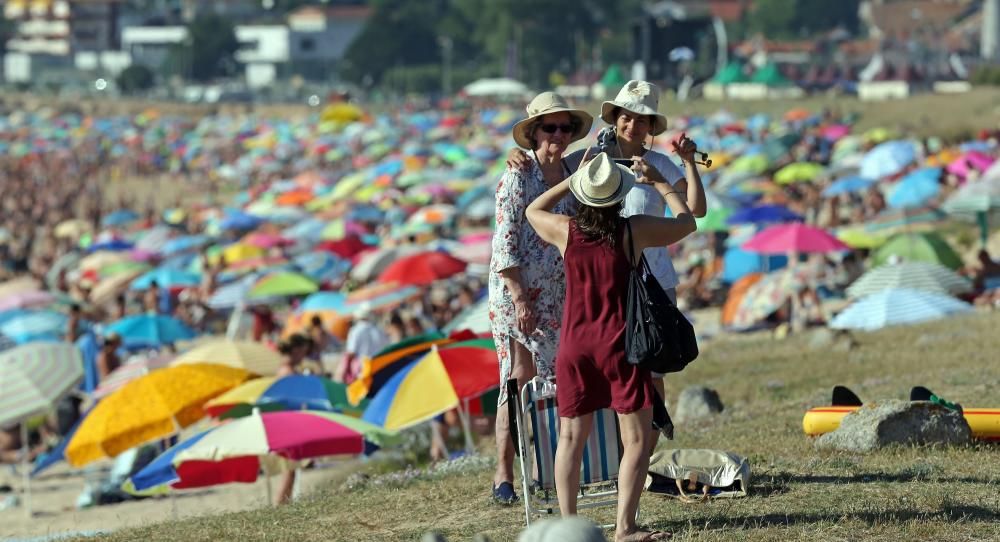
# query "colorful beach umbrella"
(285, 283)
(151, 330)
(847, 185)
(795, 237)
(151, 407)
(769, 294)
(897, 306)
(475, 318)
(422, 269)
(324, 301)
(923, 276)
(429, 386)
(918, 247)
(26, 300)
(250, 356)
(294, 392)
(239, 450)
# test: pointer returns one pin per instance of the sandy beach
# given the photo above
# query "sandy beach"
(54, 495)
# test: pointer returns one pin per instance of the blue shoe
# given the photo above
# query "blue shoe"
(504, 493)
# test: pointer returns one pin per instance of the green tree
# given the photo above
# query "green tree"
(211, 46)
(135, 78)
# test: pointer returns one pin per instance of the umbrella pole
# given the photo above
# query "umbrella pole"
(25, 468)
(463, 416)
(173, 505)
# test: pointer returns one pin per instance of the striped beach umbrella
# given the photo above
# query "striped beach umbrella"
(923, 276)
(922, 247)
(475, 318)
(34, 377)
(293, 392)
(897, 306)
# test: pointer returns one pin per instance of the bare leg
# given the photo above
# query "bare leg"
(523, 369)
(573, 434)
(633, 468)
(286, 487)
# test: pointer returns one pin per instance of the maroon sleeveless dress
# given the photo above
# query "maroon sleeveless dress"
(591, 370)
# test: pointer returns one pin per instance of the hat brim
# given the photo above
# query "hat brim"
(523, 139)
(627, 183)
(659, 122)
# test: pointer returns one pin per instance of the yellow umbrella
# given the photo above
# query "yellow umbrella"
(148, 408)
(72, 229)
(242, 251)
(250, 356)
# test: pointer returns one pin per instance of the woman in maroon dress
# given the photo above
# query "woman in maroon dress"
(591, 370)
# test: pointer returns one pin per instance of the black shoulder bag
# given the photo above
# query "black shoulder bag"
(657, 336)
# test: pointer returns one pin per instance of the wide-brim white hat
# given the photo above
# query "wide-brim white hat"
(601, 182)
(547, 103)
(641, 98)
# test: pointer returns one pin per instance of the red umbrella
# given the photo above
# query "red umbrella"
(346, 248)
(423, 268)
(795, 237)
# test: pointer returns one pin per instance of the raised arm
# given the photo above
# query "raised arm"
(553, 228)
(691, 186)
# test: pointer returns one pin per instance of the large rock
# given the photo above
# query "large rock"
(696, 403)
(885, 423)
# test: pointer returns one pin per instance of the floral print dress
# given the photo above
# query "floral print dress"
(515, 244)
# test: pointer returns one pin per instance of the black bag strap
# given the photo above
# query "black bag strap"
(631, 251)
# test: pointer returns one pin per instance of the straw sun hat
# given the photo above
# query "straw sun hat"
(641, 98)
(547, 103)
(601, 182)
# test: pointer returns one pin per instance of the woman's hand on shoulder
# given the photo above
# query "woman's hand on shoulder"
(518, 160)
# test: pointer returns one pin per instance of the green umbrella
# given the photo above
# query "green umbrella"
(120, 268)
(754, 163)
(732, 73)
(714, 219)
(798, 172)
(919, 247)
(283, 283)
(770, 75)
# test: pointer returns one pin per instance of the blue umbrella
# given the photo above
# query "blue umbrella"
(28, 326)
(58, 453)
(310, 230)
(366, 213)
(324, 301)
(151, 330)
(161, 471)
(896, 306)
(737, 263)
(915, 189)
(763, 214)
(179, 245)
(112, 245)
(321, 266)
(240, 221)
(120, 218)
(166, 277)
(847, 185)
(887, 159)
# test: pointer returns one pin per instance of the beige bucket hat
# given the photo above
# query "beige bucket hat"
(545, 104)
(641, 98)
(601, 182)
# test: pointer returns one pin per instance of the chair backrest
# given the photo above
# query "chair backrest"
(601, 455)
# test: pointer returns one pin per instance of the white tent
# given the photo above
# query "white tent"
(501, 86)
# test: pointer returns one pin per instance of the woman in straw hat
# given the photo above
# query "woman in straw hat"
(598, 247)
(526, 278)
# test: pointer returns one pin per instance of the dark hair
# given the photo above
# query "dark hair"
(617, 112)
(294, 341)
(599, 223)
(316, 321)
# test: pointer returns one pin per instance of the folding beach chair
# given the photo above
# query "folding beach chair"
(537, 426)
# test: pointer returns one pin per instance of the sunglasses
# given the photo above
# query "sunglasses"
(564, 128)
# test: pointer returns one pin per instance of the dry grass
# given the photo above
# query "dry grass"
(797, 493)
